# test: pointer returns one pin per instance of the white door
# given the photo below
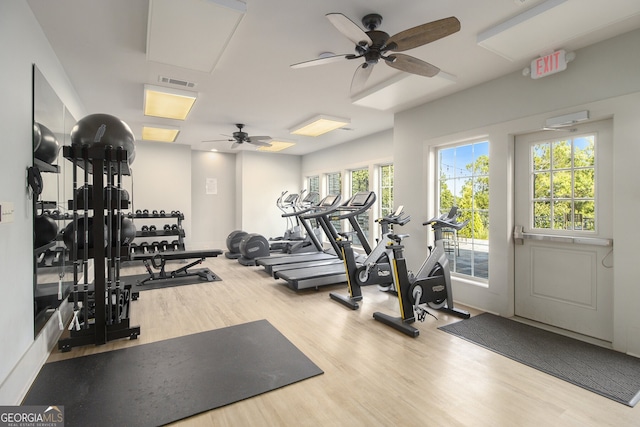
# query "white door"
(563, 217)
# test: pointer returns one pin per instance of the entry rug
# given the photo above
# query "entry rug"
(606, 372)
(159, 383)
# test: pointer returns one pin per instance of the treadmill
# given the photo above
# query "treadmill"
(329, 204)
(329, 274)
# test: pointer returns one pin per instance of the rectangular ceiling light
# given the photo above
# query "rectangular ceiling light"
(192, 34)
(550, 24)
(319, 125)
(167, 103)
(276, 146)
(158, 133)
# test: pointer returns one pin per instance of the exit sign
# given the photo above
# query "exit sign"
(549, 64)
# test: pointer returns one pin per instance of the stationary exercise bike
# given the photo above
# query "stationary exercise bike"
(430, 286)
(375, 268)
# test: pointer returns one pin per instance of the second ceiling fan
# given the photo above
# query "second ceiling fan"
(240, 137)
(374, 45)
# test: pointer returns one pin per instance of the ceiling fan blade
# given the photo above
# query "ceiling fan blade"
(254, 138)
(322, 61)
(412, 65)
(349, 29)
(217, 140)
(360, 77)
(423, 34)
(235, 145)
(260, 143)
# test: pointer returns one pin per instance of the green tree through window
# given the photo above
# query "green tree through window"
(386, 190)
(463, 181)
(360, 182)
(563, 180)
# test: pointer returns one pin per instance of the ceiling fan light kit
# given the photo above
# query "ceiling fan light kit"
(373, 45)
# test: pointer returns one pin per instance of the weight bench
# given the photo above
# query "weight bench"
(159, 261)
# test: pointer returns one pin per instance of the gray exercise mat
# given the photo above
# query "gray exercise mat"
(606, 372)
(158, 383)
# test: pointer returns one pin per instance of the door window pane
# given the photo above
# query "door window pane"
(563, 183)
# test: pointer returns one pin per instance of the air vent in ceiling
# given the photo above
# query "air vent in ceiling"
(176, 82)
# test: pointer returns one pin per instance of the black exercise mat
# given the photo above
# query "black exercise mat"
(136, 281)
(606, 372)
(158, 383)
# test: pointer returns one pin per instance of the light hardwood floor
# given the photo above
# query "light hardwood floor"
(373, 375)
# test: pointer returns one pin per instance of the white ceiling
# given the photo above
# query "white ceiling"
(103, 47)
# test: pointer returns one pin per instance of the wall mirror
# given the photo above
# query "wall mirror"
(53, 272)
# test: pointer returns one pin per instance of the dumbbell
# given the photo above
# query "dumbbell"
(145, 229)
(175, 245)
(133, 248)
(144, 247)
(162, 213)
(164, 246)
(166, 227)
(152, 228)
(174, 227)
(145, 212)
(155, 213)
(155, 247)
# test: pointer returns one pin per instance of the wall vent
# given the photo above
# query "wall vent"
(176, 82)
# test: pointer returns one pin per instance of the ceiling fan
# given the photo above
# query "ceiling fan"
(374, 45)
(239, 137)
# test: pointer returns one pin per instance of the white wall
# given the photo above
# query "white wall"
(22, 43)
(262, 178)
(213, 215)
(161, 175)
(359, 153)
(512, 105)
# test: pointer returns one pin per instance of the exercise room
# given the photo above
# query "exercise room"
(239, 213)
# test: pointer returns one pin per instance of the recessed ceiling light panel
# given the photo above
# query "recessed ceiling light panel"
(168, 103)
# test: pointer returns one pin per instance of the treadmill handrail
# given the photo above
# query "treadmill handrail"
(353, 211)
(320, 210)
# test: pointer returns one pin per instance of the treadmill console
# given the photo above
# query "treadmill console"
(329, 200)
(360, 199)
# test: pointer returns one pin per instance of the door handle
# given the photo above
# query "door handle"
(519, 236)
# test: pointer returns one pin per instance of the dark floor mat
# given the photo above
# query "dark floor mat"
(158, 383)
(609, 373)
(138, 285)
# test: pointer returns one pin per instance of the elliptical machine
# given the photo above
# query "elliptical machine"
(430, 286)
(375, 269)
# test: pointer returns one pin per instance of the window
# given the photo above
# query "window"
(464, 182)
(386, 190)
(313, 183)
(334, 186)
(360, 182)
(563, 178)
(334, 183)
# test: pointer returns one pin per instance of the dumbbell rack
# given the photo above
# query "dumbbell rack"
(98, 328)
(146, 231)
